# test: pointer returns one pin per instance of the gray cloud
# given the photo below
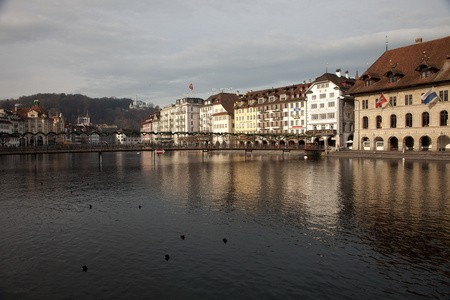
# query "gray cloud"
(155, 49)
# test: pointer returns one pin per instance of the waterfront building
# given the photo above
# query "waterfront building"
(9, 124)
(206, 119)
(390, 113)
(127, 137)
(36, 122)
(222, 112)
(329, 111)
(278, 111)
(245, 115)
(149, 125)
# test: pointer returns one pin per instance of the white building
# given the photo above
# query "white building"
(329, 112)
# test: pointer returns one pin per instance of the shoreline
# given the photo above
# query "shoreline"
(416, 155)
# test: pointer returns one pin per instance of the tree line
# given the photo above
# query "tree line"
(106, 110)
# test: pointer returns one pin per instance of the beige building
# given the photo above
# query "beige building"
(404, 122)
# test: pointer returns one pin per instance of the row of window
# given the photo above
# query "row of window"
(282, 98)
(393, 78)
(443, 120)
(323, 116)
(443, 95)
(322, 96)
(322, 105)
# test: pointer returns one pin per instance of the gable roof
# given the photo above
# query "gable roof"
(227, 100)
(342, 82)
(407, 62)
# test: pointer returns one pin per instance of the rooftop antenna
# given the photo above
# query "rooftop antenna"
(386, 43)
(326, 68)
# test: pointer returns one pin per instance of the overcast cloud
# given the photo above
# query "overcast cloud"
(155, 49)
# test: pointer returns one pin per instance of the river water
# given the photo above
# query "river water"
(332, 228)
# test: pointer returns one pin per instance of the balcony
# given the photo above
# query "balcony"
(321, 132)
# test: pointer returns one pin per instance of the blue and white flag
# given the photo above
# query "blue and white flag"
(429, 96)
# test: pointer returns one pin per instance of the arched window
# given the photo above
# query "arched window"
(393, 121)
(425, 119)
(365, 122)
(408, 120)
(379, 122)
(444, 118)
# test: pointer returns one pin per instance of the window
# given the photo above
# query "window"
(261, 100)
(323, 116)
(393, 121)
(322, 96)
(408, 120)
(365, 104)
(322, 105)
(393, 78)
(408, 99)
(271, 99)
(368, 82)
(331, 95)
(443, 95)
(313, 97)
(331, 104)
(331, 115)
(425, 119)
(393, 101)
(379, 121)
(315, 117)
(444, 118)
(365, 122)
(425, 74)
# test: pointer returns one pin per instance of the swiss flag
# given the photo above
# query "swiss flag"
(191, 87)
(380, 101)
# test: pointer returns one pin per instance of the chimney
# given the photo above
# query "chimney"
(237, 93)
(338, 72)
(418, 40)
(346, 75)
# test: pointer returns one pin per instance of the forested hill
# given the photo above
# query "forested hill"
(111, 111)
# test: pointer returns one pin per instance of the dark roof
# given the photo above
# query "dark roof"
(407, 62)
(227, 100)
(277, 92)
(342, 82)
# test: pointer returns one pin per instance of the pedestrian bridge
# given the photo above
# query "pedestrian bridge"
(50, 149)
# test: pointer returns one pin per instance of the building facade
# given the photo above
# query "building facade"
(390, 114)
(330, 112)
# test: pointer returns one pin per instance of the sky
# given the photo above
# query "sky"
(153, 50)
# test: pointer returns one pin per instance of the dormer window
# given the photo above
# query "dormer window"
(393, 78)
(425, 74)
(394, 75)
(370, 79)
(426, 69)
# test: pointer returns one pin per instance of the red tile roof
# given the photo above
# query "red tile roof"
(407, 62)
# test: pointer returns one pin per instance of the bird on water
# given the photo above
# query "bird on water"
(182, 237)
(167, 257)
(84, 268)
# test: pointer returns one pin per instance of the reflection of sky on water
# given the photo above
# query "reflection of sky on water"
(364, 222)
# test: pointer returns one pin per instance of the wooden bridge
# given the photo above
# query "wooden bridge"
(53, 149)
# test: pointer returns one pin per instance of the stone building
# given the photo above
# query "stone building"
(389, 111)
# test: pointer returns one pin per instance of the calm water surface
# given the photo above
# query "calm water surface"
(295, 229)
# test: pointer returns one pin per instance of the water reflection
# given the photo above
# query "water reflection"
(342, 227)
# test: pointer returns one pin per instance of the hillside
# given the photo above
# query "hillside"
(101, 110)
